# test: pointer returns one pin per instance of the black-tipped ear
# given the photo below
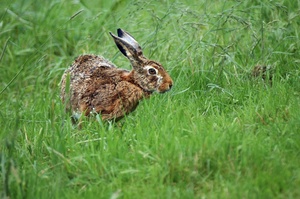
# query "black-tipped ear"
(123, 51)
(120, 32)
(129, 39)
(127, 45)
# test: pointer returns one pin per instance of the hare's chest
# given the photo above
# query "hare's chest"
(129, 93)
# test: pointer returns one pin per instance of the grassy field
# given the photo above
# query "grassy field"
(219, 133)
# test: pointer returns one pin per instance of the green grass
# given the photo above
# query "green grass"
(218, 134)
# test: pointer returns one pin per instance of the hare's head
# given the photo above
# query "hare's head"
(148, 74)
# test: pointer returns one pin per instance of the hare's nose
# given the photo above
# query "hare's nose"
(170, 85)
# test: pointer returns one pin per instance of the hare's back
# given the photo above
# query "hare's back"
(87, 65)
(86, 71)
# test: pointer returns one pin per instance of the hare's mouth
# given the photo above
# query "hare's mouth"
(165, 88)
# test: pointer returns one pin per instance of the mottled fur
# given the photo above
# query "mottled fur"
(98, 86)
(264, 72)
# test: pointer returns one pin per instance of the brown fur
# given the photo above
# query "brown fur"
(98, 86)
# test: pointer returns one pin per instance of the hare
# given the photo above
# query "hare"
(93, 84)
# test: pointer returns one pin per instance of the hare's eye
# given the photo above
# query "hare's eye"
(151, 71)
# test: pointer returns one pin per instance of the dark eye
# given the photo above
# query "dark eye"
(151, 71)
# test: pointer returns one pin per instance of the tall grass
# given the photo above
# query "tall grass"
(219, 133)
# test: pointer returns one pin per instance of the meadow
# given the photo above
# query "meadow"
(219, 133)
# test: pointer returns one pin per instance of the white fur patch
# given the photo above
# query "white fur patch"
(148, 67)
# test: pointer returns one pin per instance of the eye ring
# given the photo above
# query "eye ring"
(152, 71)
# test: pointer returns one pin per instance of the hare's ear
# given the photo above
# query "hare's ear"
(127, 45)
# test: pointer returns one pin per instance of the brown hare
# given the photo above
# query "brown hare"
(94, 85)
